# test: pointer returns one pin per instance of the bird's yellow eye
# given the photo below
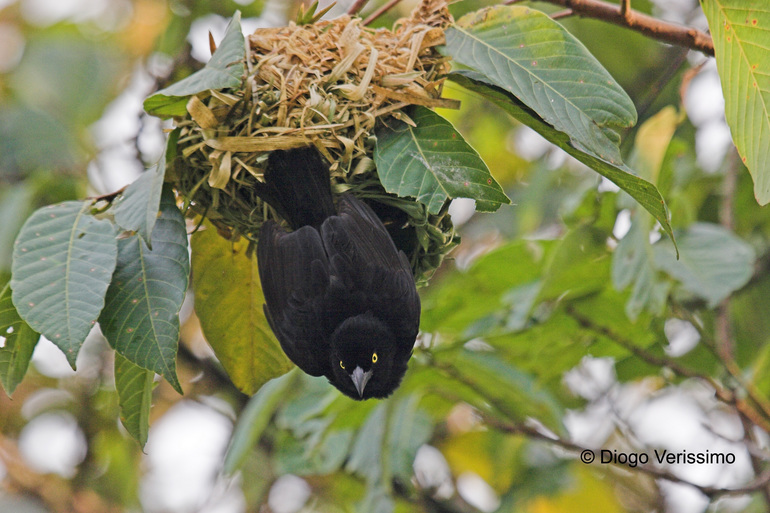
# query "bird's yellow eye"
(342, 365)
(374, 357)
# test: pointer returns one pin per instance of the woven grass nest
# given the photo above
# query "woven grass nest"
(328, 84)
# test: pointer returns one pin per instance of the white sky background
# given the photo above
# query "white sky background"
(186, 446)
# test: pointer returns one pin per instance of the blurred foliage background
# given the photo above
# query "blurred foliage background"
(563, 321)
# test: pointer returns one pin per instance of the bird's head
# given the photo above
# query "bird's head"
(363, 358)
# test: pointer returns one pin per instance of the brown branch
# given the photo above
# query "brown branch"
(724, 337)
(749, 439)
(654, 28)
(625, 8)
(562, 14)
(759, 483)
(758, 416)
(357, 6)
(110, 196)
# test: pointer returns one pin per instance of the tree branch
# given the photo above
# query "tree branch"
(758, 415)
(654, 28)
(357, 6)
(759, 483)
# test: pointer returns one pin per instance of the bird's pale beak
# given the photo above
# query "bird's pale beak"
(360, 378)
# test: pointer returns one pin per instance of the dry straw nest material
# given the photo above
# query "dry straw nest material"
(328, 84)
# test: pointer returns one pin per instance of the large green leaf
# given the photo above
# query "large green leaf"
(579, 265)
(432, 162)
(16, 203)
(137, 208)
(63, 259)
(741, 33)
(511, 392)
(388, 441)
(32, 139)
(632, 264)
(141, 315)
(451, 304)
(632, 260)
(229, 303)
(225, 69)
(18, 345)
(255, 418)
(134, 386)
(645, 193)
(714, 261)
(533, 57)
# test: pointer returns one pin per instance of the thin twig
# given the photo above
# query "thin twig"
(357, 6)
(760, 418)
(562, 14)
(109, 196)
(379, 12)
(651, 27)
(723, 337)
(756, 462)
(759, 414)
(759, 483)
(625, 8)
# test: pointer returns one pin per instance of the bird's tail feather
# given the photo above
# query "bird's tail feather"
(297, 186)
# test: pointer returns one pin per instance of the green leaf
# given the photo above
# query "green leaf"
(136, 209)
(134, 386)
(632, 260)
(16, 203)
(501, 386)
(432, 162)
(741, 33)
(63, 259)
(224, 70)
(255, 418)
(229, 304)
(632, 264)
(376, 500)
(67, 74)
(31, 139)
(579, 265)
(19, 343)
(451, 304)
(388, 441)
(141, 315)
(410, 427)
(528, 54)
(645, 193)
(714, 261)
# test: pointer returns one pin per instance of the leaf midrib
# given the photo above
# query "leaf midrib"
(67, 265)
(155, 335)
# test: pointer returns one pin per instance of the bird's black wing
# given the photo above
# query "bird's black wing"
(294, 271)
(363, 255)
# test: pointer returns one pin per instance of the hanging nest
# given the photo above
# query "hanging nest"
(328, 84)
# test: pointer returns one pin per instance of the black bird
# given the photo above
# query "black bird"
(339, 296)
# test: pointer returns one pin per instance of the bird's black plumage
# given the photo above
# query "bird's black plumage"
(338, 294)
